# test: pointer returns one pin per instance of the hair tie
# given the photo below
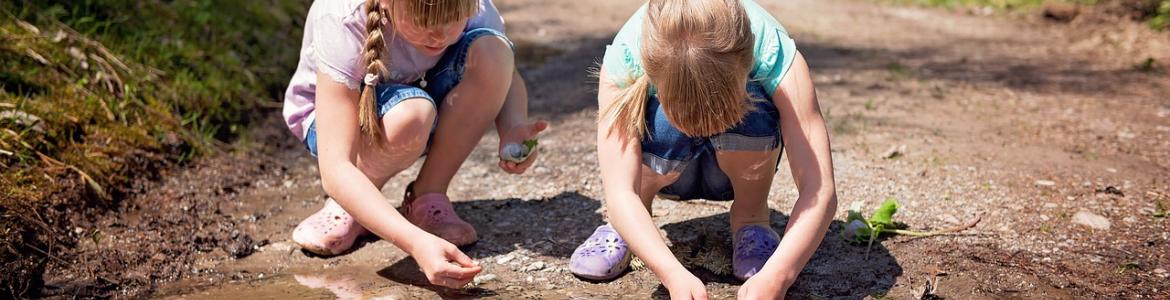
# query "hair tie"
(372, 79)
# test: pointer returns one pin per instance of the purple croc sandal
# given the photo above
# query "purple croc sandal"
(601, 257)
(753, 245)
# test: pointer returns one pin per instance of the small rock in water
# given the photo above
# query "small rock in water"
(1092, 220)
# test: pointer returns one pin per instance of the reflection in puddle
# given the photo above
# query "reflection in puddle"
(354, 283)
(343, 287)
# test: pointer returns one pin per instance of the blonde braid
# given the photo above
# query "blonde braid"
(375, 71)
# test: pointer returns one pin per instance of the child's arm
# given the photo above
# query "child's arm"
(807, 143)
(512, 123)
(338, 139)
(620, 162)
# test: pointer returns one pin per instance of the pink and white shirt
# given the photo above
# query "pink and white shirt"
(332, 45)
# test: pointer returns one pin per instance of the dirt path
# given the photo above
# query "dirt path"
(1029, 124)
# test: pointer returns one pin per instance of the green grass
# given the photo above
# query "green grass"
(1160, 17)
(95, 93)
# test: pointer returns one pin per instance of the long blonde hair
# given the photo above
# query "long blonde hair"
(422, 13)
(697, 54)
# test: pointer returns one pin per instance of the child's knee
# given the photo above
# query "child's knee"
(652, 177)
(409, 123)
(748, 165)
(490, 54)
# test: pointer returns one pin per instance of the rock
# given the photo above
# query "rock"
(504, 259)
(1126, 135)
(1112, 190)
(1092, 220)
(950, 219)
(894, 152)
(483, 278)
(1061, 12)
(280, 247)
(1045, 183)
(536, 266)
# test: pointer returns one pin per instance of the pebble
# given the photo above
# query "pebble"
(280, 247)
(1045, 183)
(504, 259)
(483, 278)
(1092, 220)
(950, 219)
(536, 266)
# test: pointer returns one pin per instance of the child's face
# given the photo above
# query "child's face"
(429, 41)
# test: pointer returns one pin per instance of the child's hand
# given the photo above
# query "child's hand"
(517, 135)
(762, 286)
(685, 287)
(444, 264)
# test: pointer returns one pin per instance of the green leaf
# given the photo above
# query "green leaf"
(530, 144)
(884, 215)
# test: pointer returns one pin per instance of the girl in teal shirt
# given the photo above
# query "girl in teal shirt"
(697, 99)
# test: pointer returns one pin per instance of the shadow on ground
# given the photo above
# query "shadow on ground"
(837, 270)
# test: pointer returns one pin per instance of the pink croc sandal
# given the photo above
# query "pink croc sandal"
(433, 213)
(330, 231)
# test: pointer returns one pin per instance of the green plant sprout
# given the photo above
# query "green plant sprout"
(859, 230)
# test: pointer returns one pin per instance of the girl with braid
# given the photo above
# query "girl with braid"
(381, 83)
(697, 98)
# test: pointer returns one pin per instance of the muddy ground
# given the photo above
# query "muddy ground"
(1034, 126)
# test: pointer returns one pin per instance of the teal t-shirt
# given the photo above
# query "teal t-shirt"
(774, 49)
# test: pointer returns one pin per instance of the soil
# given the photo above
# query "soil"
(1018, 120)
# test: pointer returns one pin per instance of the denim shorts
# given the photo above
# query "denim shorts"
(441, 79)
(667, 150)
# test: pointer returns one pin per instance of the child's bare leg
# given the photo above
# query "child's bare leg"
(467, 112)
(407, 125)
(751, 175)
(652, 183)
